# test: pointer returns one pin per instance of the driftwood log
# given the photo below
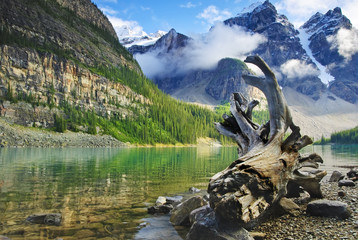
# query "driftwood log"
(247, 191)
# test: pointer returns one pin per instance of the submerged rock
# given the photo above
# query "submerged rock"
(327, 208)
(164, 205)
(45, 218)
(160, 209)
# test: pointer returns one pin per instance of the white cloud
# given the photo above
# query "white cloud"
(222, 41)
(121, 25)
(108, 10)
(298, 12)
(152, 65)
(188, 5)
(346, 42)
(298, 69)
(212, 14)
(203, 52)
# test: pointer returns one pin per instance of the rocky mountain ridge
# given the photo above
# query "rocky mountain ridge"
(284, 52)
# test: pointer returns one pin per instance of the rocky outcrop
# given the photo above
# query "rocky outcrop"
(48, 78)
(325, 31)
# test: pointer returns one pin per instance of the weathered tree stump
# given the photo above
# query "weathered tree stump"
(247, 191)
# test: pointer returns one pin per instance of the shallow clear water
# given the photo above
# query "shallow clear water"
(104, 193)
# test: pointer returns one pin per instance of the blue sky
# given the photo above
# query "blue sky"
(196, 16)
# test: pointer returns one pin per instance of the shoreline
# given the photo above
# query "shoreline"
(15, 136)
(18, 136)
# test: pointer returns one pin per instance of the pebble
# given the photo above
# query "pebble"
(303, 226)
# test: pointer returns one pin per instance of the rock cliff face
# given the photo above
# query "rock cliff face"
(49, 53)
(48, 78)
(89, 12)
(327, 33)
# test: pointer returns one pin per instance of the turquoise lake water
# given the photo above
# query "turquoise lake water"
(104, 193)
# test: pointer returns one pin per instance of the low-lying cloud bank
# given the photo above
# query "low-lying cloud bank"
(295, 68)
(202, 52)
(345, 41)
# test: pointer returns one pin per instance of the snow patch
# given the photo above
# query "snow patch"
(250, 8)
(324, 75)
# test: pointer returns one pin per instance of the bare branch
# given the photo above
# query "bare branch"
(280, 117)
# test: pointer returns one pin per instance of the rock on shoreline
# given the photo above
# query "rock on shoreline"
(297, 224)
(303, 226)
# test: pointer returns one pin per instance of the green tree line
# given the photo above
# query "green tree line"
(343, 137)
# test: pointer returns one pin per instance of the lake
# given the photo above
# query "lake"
(104, 193)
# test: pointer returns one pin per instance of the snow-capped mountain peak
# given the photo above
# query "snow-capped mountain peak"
(330, 22)
(129, 36)
(250, 8)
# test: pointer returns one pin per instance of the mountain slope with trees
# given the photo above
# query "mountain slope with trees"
(64, 70)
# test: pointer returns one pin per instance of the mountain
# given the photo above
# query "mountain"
(62, 67)
(318, 109)
(50, 49)
(283, 50)
(129, 37)
(332, 40)
(170, 43)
